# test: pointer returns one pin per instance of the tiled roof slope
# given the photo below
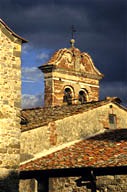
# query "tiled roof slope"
(106, 149)
(36, 117)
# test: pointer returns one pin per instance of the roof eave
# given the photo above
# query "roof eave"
(13, 33)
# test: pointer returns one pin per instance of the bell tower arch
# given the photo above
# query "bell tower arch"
(83, 96)
(68, 95)
(69, 68)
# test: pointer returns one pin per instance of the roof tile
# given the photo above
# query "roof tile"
(107, 149)
(37, 117)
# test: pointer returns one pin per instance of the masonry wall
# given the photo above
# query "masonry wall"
(76, 83)
(10, 100)
(109, 183)
(56, 82)
(69, 129)
(28, 185)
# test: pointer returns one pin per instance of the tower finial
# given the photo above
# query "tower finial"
(72, 41)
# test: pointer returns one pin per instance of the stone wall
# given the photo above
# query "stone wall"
(65, 184)
(70, 128)
(110, 183)
(28, 185)
(10, 98)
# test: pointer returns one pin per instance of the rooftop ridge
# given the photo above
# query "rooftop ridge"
(12, 32)
(37, 117)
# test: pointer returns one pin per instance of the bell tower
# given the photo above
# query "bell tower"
(70, 77)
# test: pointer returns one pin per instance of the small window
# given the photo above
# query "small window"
(67, 96)
(82, 97)
(112, 120)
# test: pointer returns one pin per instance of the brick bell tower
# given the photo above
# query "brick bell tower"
(70, 77)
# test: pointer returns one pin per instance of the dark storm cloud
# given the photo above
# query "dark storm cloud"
(57, 16)
(114, 89)
(100, 24)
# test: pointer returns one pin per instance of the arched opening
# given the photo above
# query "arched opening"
(83, 96)
(68, 95)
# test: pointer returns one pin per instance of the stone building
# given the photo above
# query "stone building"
(75, 140)
(10, 106)
(75, 143)
(98, 163)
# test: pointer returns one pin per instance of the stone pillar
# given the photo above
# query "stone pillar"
(10, 106)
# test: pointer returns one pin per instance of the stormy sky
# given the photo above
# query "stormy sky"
(101, 31)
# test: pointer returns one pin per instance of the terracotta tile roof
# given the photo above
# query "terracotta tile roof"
(12, 32)
(36, 117)
(106, 149)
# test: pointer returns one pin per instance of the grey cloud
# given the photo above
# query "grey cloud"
(31, 101)
(31, 74)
